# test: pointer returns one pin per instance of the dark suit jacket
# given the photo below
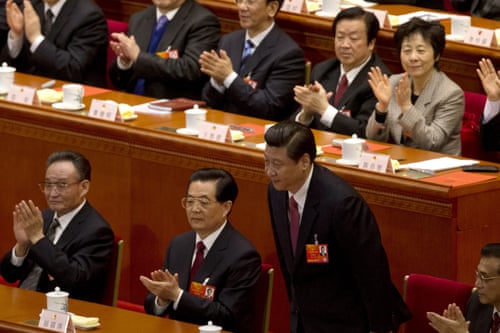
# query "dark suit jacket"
(353, 293)
(194, 29)
(78, 262)
(358, 98)
(75, 49)
(233, 266)
(490, 134)
(484, 8)
(276, 65)
(479, 315)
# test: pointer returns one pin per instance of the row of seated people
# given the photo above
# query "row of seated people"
(173, 48)
(211, 271)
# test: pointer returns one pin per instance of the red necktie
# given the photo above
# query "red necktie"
(200, 247)
(294, 222)
(340, 90)
(495, 324)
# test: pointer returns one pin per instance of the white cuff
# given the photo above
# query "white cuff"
(328, 116)
(15, 260)
(491, 109)
(36, 43)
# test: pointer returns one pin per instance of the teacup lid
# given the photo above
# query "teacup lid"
(354, 139)
(6, 68)
(57, 292)
(210, 327)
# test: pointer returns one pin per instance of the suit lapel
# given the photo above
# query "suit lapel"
(62, 19)
(283, 226)
(213, 257)
(262, 52)
(73, 227)
(185, 265)
(145, 29)
(235, 50)
(426, 96)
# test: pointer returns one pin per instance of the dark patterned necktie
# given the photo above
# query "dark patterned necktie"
(294, 222)
(31, 281)
(340, 90)
(200, 248)
(47, 25)
(495, 324)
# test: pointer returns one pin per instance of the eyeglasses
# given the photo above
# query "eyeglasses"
(189, 202)
(480, 276)
(46, 187)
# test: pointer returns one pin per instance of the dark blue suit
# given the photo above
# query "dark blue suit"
(353, 292)
(276, 66)
(232, 266)
(479, 315)
(78, 262)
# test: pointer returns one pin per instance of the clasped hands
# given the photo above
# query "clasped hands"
(26, 21)
(162, 284)
(379, 82)
(313, 98)
(27, 226)
(124, 47)
(217, 66)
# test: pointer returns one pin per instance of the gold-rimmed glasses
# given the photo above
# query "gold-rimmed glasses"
(47, 187)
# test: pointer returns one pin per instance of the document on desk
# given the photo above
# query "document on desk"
(437, 164)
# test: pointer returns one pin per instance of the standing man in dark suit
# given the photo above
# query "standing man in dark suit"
(62, 39)
(255, 69)
(212, 256)
(484, 304)
(163, 62)
(68, 245)
(349, 288)
(331, 102)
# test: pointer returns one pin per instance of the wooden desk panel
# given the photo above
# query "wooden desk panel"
(140, 174)
(21, 308)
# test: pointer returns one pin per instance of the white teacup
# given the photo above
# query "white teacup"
(72, 94)
(210, 328)
(194, 117)
(352, 149)
(57, 300)
(331, 6)
(6, 77)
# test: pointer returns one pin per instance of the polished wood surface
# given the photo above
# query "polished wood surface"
(141, 169)
(314, 35)
(21, 309)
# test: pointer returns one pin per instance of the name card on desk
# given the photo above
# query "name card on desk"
(480, 37)
(294, 6)
(214, 132)
(381, 15)
(21, 94)
(56, 321)
(106, 110)
(376, 162)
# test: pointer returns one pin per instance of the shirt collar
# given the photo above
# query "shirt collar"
(65, 219)
(210, 239)
(55, 8)
(301, 195)
(351, 75)
(257, 39)
(170, 14)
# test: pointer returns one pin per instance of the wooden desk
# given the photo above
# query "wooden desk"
(22, 307)
(314, 35)
(140, 174)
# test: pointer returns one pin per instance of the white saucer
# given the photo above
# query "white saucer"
(88, 327)
(186, 131)
(346, 162)
(70, 107)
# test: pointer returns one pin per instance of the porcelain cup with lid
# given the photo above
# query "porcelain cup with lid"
(352, 149)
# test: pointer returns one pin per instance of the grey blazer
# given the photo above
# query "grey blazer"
(433, 123)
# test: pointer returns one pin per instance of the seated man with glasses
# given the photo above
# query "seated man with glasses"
(482, 315)
(209, 273)
(67, 245)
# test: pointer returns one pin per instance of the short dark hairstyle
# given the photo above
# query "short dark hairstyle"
(82, 165)
(297, 138)
(491, 250)
(358, 13)
(431, 31)
(280, 2)
(225, 188)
